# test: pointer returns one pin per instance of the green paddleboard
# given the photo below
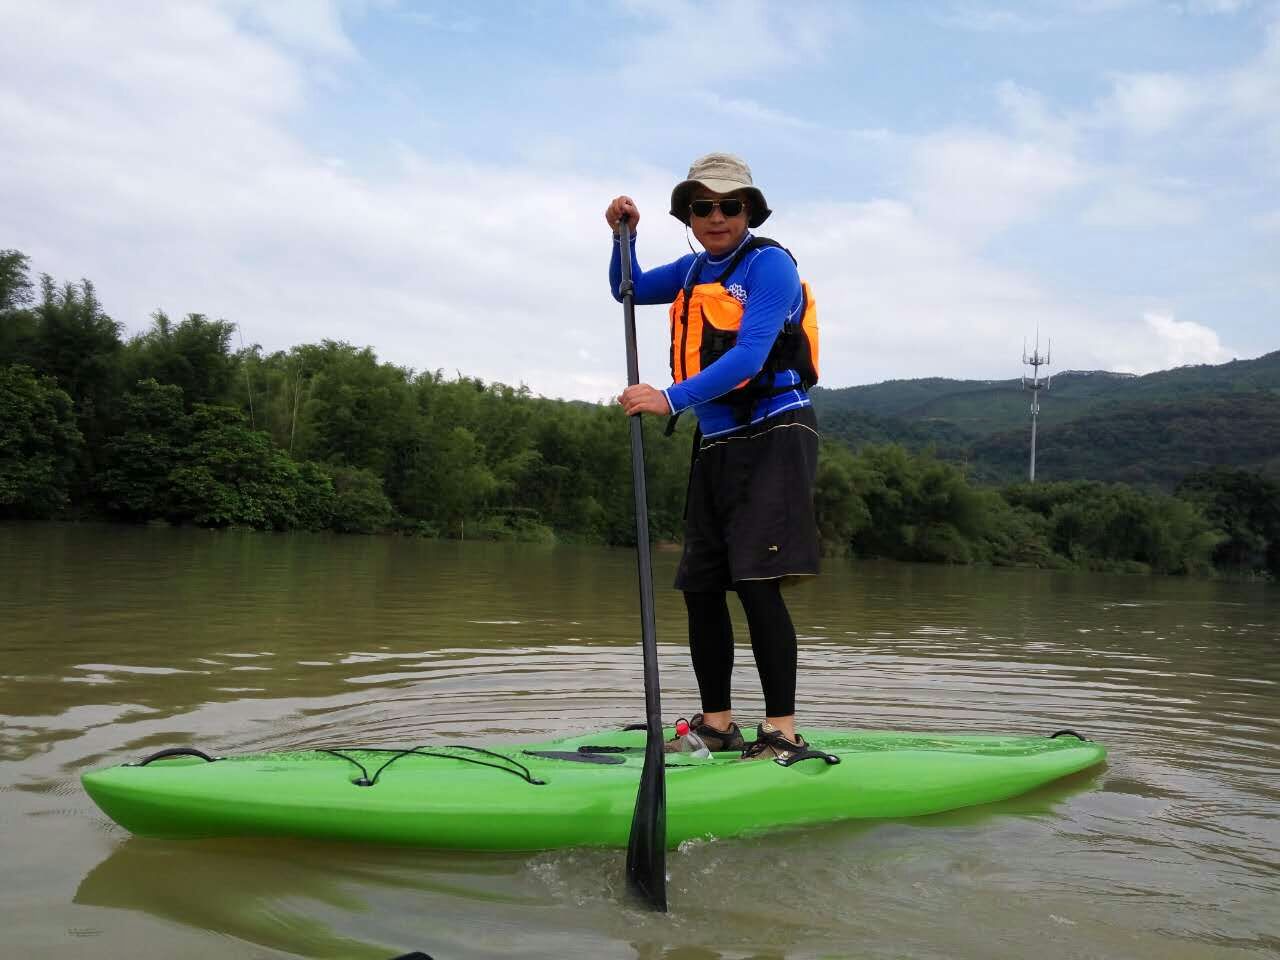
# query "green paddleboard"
(558, 794)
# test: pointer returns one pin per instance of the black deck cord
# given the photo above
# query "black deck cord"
(173, 752)
(366, 781)
(1068, 733)
(808, 753)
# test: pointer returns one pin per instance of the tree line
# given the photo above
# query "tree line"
(174, 425)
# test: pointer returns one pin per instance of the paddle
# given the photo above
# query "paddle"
(647, 847)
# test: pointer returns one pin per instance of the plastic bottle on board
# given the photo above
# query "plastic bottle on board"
(690, 742)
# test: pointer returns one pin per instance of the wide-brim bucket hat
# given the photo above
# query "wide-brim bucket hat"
(720, 173)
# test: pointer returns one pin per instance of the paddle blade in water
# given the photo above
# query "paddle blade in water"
(647, 847)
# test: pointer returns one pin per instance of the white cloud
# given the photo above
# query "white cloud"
(1244, 101)
(749, 110)
(899, 298)
(1127, 204)
(1252, 92)
(1030, 16)
(1034, 119)
(168, 174)
(987, 19)
(978, 184)
(1175, 343)
(1215, 7)
(1152, 103)
(455, 23)
(312, 26)
(668, 54)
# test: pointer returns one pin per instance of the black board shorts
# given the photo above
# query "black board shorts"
(749, 510)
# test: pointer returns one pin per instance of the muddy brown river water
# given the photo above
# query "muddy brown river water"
(117, 641)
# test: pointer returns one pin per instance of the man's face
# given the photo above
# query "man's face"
(717, 233)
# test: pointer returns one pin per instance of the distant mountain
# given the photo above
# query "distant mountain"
(976, 406)
(1152, 443)
(982, 407)
(1095, 424)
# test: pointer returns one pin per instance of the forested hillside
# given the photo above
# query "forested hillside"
(1156, 444)
(1077, 391)
(974, 407)
(1153, 429)
(173, 426)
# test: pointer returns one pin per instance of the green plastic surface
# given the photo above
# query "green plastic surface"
(446, 802)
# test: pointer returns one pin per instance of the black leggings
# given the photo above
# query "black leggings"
(773, 641)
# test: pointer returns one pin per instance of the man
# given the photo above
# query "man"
(744, 352)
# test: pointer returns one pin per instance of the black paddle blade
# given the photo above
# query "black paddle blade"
(647, 848)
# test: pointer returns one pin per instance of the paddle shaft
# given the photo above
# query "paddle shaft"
(647, 847)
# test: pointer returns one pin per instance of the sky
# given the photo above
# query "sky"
(429, 179)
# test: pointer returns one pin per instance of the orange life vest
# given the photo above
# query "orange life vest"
(706, 318)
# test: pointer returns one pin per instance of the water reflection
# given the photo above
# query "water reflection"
(272, 897)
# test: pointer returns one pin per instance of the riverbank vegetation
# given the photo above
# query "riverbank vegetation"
(175, 426)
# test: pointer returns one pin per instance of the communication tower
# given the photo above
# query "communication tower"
(1035, 361)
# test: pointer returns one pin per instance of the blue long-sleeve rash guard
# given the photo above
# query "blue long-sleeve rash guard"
(768, 285)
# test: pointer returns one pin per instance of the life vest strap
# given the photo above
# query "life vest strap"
(742, 399)
(745, 398)
(755, 243)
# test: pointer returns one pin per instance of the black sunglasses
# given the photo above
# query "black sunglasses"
(730, 207)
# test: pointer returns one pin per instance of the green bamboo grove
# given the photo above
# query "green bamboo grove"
(175, 426)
